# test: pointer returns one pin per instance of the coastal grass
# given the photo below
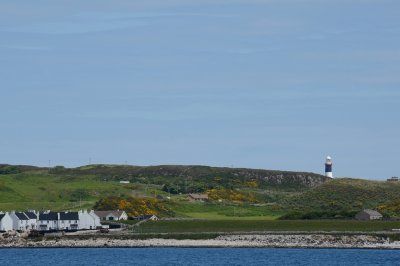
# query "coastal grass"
(46, 205)
(45, 191)
(345, 194)
(209, 226)
(219, 216)
(42, 191)
(219, 211)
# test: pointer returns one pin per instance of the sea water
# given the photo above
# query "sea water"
(197, 256)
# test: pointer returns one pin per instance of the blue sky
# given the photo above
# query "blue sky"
(273, 84)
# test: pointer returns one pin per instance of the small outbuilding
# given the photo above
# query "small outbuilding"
(198, 197)
(368, 215)
(148, 218)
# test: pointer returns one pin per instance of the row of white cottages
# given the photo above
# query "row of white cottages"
(48, 220)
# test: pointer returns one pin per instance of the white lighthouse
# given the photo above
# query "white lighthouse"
(328, 167)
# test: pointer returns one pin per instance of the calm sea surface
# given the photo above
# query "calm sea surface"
(197, 256)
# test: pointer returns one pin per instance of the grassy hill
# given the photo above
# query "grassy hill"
(344, 195)
(243, 194)
(199, 177)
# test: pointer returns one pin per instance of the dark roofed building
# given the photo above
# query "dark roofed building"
(21, 216)
(58, 221)
(68, 221)
(48, 216)
(31, 215)
(32, 219)
(393, 179)
(48, 221)
(20, 221)
(368, 215)
(69, 216)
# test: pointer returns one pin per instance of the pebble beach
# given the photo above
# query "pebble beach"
(233, 241)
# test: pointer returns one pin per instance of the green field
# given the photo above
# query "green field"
(215, 226)
(243, 194)
(43, 191)
(224, 212)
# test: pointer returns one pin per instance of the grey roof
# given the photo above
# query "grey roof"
(103, 214)
(69, 216)
(50, 216)
(198, 196)
(31, 215)
(21, 216)
(372, 212)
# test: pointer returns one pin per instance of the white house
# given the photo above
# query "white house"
(6, 222)
(111, 215)
(96, 218)
(88, 220)
(53, 221)
(48, 221)
(32, 222)
(68, 221)
(20, 221)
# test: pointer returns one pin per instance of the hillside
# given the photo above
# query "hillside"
(233, 192)
(344, 196)
(209, 176)
(24, 187)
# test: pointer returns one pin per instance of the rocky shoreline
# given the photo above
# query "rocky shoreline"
(231, 241)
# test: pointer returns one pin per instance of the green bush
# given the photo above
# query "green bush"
(8, 169)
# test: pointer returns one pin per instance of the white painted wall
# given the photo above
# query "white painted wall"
(68, 224)
(123, 216)
(19, 224)
(95, 218)
(329, 174)
(50, 225)
(46, 225)
(88, 220)
(32, 224)
(111, 217)
(6, 224)
(153, 218)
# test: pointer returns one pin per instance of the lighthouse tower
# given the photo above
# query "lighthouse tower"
(328, 167)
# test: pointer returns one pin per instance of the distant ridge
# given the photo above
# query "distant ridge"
(265, 178)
